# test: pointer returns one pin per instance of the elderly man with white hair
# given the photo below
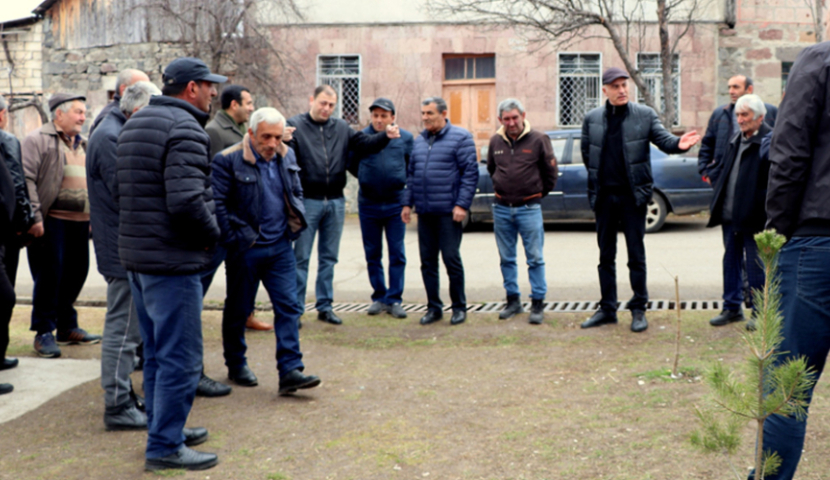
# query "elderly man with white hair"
(121, 333)
(738, 206)
(259, 208)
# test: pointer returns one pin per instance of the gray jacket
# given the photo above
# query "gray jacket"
(223, 133)
(640, 127)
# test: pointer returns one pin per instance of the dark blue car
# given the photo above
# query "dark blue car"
(678, 188)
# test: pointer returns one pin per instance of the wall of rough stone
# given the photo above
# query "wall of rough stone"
(25, 49)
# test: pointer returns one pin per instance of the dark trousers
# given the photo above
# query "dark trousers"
(614, 211)
(439, 233)
(8, 272)
(59, 262)
(740, 257)
(375, 218)
(169, 309)
(275, 266)
(805, 305)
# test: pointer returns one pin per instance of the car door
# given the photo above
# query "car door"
(573, 183)
(552, 206)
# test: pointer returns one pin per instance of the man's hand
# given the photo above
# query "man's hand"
(288, 133)
(392, 131)
(406, 214)
(458, 214)
(36, 230)
(688, 140)
(282, 149)
(707, 179)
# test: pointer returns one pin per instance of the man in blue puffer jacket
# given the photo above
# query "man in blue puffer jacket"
(382, 178)
(441, 181)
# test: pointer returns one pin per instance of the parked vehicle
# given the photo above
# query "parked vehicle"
(678, 188)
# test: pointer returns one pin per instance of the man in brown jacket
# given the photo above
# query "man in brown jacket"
(54, 161)
(523, 168)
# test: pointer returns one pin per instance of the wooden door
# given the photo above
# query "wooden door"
(473, 107)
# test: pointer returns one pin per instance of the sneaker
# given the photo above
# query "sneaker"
(396, 310)
(376, 308)
(184, 459)
(125, 417)
(78, 336)
(46, 347)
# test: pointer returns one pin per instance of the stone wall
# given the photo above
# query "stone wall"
(25, 49)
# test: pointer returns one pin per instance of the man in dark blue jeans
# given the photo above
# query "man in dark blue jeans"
(798, 206)
(382, 179)
(259, 206)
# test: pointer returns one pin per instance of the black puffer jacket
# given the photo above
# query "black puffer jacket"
(167, 220)
(640, 127)
(23, 216)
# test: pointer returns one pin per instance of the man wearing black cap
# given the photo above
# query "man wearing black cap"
(167, 236)
(616, 144)
(382, 178)
(54, 161)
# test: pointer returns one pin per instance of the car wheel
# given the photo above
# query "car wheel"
(656, 213)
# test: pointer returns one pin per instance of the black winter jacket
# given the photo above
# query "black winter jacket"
(748, 213)
(798, 199)
(23, 216)
(322, 151)
(101, 184)
(113, 105)
(167, 220)
(640, 128)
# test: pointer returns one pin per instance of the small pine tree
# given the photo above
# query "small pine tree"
(766, 387)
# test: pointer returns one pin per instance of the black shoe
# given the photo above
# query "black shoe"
(431, 317)
(6, 388)
(127, 417)
(601, 317)
(295, 380)
(243, 376)
(513, 307)
(184, 459)
(537, 314)
(396, 310)
(329, 317)
(638, 321)
(209, 387)
(726, 317)
(376, 308)
(458, 317)
(195, 436)
(8, 363)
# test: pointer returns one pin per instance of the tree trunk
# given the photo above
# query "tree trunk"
(819, 13)
(666, 113)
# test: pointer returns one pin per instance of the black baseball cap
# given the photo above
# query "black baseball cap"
(60, 98)
(612, 74)
(383, 103)
(189, 69)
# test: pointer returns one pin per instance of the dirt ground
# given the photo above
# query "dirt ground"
(488, 399)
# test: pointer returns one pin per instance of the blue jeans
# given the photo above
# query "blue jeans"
(325, 216)
(169, 311)
(805, 305)
(508, 224)
(273, 265)
(375, 217)
(740, 252)
(59, 262)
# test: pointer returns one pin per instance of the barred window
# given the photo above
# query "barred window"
(579, 86)
(342, 72)
(469, 67)
(650, 70)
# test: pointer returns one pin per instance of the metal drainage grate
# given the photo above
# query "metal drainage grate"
(571, 306)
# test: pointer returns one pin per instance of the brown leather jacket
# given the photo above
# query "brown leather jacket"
(522, 170)
(43, 161)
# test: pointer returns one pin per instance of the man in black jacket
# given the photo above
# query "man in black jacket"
(124, 79)
(616, 143)
(738, 206)
(167, 236)
(798, 206)
(322, 145)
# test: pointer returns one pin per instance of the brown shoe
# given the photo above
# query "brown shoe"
(255, 324)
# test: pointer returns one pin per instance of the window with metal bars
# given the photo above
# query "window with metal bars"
(652, 74)
(580, 87)
(342, 73)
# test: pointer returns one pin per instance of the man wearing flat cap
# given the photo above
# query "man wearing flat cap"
(382, 178)
(616, 142)
(54, 162)
(167, 237)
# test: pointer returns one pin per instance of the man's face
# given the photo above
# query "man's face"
(381, 119)
(513, 122)
(433, 120)
(204, 93)
(267, 139)
(617, 92)
(748, 124)
(737, 88)
(241, 113)
(72, 121)
(4, 118)
(322, 106)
